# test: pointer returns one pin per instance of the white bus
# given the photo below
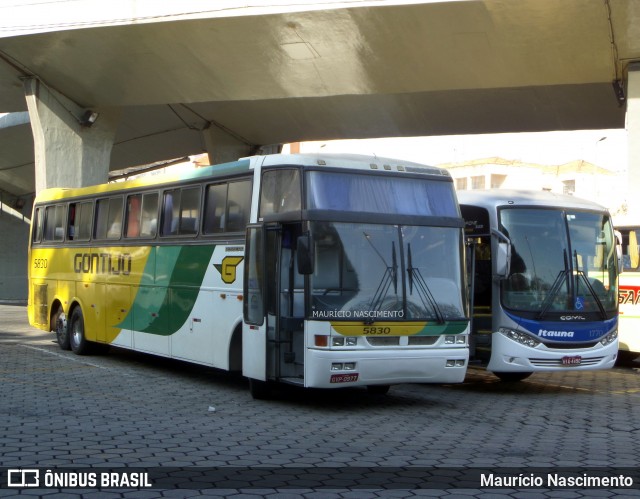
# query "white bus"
(629, 297)
(545, 287)
(320, 271)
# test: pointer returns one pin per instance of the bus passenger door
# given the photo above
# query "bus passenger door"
(481, 299)
(273, 334)
(286, 308)
(254, 327)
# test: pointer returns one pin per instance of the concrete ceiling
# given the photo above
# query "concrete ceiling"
(373, 69)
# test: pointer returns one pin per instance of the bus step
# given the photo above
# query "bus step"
(293, 381)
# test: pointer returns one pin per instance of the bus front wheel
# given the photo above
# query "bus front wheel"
(77, 341)
(260, 390)
(512, 377)
(378, 389)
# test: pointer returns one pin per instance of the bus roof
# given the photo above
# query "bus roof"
(244, 165)
(213, 171)
(353, 161)
(495, 198)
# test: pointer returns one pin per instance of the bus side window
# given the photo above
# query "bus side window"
(36, 235)
(79, 223)
(215, 204)
(54, 223)
(149, 220)
(280, 192)
(181, 212)
(133, 215)
(142, 215)
(227, 207)
(238, 205)
(108, 218)
(190, 211)
(170, 214)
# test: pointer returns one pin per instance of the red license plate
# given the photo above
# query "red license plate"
(575, 360)
(344, 378)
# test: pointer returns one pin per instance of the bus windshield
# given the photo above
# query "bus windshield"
(561, 261)
(370, 272)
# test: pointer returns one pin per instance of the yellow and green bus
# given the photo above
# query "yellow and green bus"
(320, 271)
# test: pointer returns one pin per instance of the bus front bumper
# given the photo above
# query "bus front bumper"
(510, 356)
(342, 368)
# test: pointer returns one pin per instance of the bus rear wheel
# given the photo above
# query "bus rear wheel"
(77, 341)
(508, 377)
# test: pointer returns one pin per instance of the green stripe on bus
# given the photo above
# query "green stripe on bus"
(160, 309)
(453, 327)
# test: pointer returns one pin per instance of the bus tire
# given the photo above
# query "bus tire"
(626, 358)
(509, 377)
(77, 341)
(62, 330)
(260, 390)
(378, 389)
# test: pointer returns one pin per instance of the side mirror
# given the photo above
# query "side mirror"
(304, 254)
(619, 255)
(503, 256)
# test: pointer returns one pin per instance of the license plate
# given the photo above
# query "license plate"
(575, 360)
(344, 378)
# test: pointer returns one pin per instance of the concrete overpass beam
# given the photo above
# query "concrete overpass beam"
(633, 140)
(72, 146)
(223, 146)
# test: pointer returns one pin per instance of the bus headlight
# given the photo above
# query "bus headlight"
(340, 341)
(520, 337)
(610, 338)
(454, 363)
(458, 339)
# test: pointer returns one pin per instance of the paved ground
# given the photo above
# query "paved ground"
(193, 428)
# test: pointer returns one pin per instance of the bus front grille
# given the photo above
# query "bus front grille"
(586, 361)
(422, 340)
(383, 341)
(390, 341)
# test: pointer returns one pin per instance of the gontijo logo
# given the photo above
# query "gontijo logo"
(227, 268)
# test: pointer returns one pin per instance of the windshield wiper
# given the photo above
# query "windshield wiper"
(389, 277)
(581, 274)
(562, 275)
(423, 289)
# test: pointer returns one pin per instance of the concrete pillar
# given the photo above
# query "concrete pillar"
(633, 139)
(70, 149)
(223, 147)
